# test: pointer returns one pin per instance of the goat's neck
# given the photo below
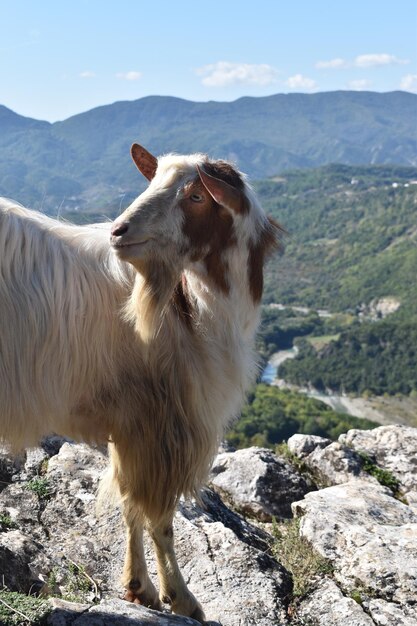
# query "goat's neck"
(163, 296)
(232, 309)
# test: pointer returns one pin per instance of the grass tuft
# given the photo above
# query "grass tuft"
(297, 555)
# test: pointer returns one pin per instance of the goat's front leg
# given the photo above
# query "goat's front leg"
(139, 587)
(173, 589)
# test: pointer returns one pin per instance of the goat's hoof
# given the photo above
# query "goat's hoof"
(143, 598)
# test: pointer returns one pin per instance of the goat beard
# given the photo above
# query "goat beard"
(151, 298)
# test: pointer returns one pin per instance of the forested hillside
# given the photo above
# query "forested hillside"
(272, 415)
(352, 236)
(352, 244)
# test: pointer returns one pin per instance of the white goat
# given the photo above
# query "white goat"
(157, 360)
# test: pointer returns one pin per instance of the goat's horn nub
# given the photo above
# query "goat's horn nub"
(144, 161)
(222, 192)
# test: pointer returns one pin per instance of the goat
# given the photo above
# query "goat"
(146, 343)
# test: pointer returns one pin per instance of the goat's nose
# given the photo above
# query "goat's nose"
(119, 228)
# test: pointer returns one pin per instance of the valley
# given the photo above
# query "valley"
(338, 171)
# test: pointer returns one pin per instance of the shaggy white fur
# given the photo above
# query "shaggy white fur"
(148, 343)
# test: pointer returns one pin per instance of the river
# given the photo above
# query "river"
(380, 410)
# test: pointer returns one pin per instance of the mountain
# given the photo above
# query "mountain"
(83, 162)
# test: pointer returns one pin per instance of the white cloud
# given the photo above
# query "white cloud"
(409, 82)
(359, 85)
(298, 81)
(375, 60)
(333, 64)
(87, 74)
(129, 75)
(225, 73)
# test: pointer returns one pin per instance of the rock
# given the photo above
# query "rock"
(385, 613)
(10, 465)
(331, 463)
(223, 558)
(52, 444)
(327, 606)
(112, 613)
(35, 458)
(367, 534)
(336, 464)
(22, 505)
(18, 554)
(258, 483)
(303, 445)
(394, 448)
(219, 553)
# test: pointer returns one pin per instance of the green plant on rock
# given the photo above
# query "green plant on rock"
(297, 555)
(6, 522)
(356, 595)
(40, 487)
(78, 585)
(17, 609)
(71, 582)
(384, 477)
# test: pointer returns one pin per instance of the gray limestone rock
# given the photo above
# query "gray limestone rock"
(331, 463)
(223, 558)
(385, 613)
(19, 556)
(394, 448)
(258, 483)
(370, 537)
(10, 465)
(303, 445)
(112, 612)
(327, 606)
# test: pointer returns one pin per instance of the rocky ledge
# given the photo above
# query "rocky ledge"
(320, 534)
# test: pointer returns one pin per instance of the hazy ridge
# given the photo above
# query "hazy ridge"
(83, 162)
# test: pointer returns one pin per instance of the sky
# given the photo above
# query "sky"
(60, 58)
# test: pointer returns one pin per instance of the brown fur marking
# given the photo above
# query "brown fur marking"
(268, 241)
(182, 303)
(209, 228)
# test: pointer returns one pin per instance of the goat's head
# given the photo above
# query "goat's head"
(194, 211)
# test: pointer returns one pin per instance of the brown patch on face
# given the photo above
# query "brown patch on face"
(258, 253)
(209, 227)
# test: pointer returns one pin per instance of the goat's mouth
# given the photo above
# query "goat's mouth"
(118, 245)
(129, 248)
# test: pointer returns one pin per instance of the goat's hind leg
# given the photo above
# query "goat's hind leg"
(138, 585)
(173, 589)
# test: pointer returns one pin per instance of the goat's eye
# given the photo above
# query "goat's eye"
(196, 197)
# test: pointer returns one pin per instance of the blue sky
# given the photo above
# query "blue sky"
(59, 58)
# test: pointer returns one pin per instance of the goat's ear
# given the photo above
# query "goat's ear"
(144, 161)
(222, 192)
